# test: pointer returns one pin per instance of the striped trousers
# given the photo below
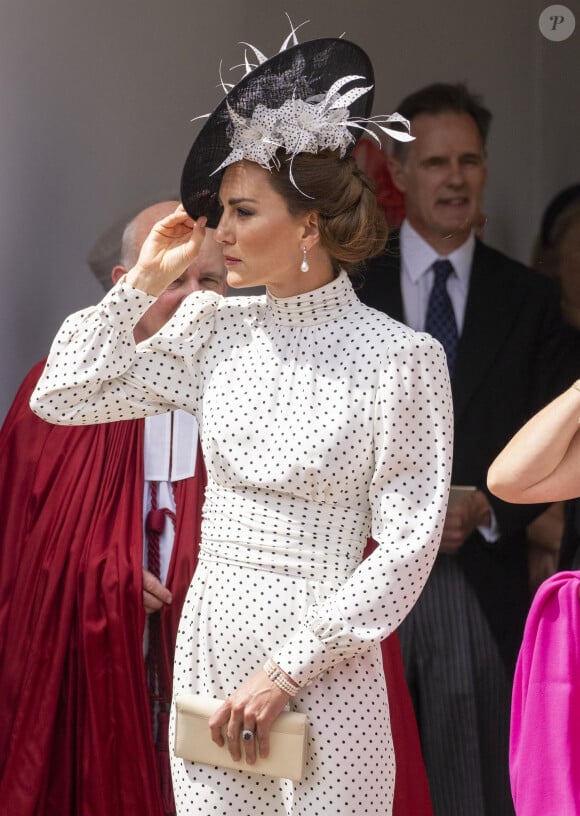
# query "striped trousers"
(462, 697)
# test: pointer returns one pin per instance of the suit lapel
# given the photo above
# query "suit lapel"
(382, 282)
(489, 316)
(392, 289)
(490, 312)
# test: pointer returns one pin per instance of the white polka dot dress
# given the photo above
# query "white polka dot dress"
(322, 421)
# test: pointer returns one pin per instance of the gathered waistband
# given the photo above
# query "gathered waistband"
(291, 536)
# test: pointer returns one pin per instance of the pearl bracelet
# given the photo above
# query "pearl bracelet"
(275, 674)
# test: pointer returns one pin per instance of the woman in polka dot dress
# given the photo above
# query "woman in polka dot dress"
(322, 422)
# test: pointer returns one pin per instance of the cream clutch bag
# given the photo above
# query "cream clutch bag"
(193, 741)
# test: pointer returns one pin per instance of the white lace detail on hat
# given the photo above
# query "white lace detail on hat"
(303, 125)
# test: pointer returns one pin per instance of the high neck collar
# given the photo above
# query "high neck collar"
(318, 306)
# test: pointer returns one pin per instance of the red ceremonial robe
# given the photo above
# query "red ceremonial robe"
(75, 724)
(412, 796)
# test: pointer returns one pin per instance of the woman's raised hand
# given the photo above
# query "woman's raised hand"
(168, 250)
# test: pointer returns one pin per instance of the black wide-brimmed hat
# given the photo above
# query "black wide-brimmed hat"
(306, 71)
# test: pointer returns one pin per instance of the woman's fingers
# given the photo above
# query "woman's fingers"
(197, 233)
(217, 722)
(244, 721)
(249, 739)
(171, 246)
(230, 719)
(177, 228)
(263, 737)
(234, 731)
(180, 209)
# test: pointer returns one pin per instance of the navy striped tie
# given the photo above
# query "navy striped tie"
(440, 319)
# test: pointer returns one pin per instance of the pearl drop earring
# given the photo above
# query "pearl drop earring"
(304, 266)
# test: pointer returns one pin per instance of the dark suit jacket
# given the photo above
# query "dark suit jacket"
(512, 359)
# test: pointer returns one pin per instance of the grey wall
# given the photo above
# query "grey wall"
(96, 101)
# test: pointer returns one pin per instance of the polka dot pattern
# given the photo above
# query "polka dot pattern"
(322, 421)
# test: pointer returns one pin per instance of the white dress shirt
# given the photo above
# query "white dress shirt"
(417, 259)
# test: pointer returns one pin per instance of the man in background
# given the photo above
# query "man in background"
(100, 523)
(500, 325)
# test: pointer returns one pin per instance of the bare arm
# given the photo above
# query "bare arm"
(542, 461)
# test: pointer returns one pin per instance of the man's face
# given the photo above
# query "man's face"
(442, 176)
(207, 272)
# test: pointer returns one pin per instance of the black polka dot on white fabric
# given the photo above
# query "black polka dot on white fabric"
(322, 422)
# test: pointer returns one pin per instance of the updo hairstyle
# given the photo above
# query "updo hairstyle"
(351, 224)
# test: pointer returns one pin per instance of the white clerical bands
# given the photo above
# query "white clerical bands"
(280, 678)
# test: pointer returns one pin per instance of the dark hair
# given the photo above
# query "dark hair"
(352, 226)
(559, 215)
(442, 97)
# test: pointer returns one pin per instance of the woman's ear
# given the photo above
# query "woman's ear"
(310, 233)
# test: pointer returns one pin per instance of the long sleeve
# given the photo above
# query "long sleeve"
(96, 373)
(413, 439)
(350, 417)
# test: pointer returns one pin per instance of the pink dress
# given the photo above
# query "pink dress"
(545, 721)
